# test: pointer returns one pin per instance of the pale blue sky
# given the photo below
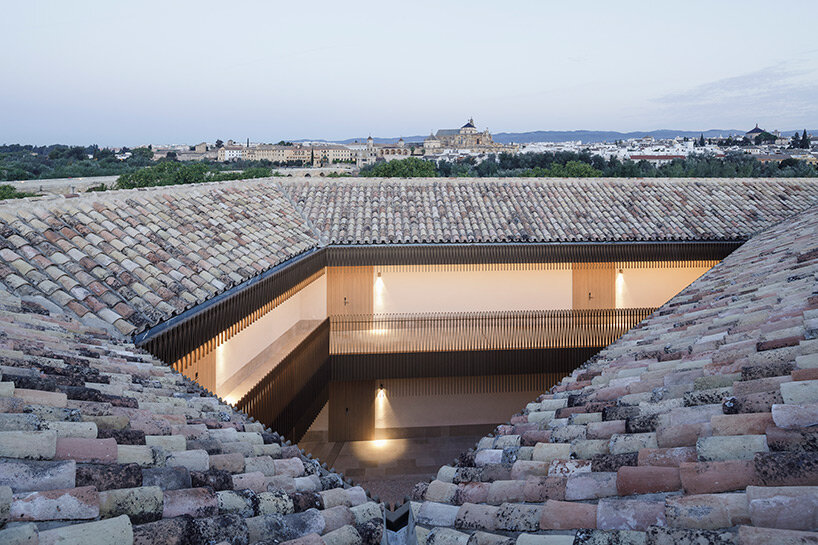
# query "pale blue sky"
(116, 72)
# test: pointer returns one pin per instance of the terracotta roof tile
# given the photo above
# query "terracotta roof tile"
(698, 440)
(91, 427)
(383, 211)
(117, 237)
(707, 406)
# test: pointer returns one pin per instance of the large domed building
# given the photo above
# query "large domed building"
(466, 137)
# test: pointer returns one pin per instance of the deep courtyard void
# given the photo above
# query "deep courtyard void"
(387, 372)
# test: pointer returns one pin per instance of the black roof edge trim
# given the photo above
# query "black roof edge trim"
(143, 337)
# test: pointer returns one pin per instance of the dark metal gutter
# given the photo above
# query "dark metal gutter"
(181, 334)
(552, 252)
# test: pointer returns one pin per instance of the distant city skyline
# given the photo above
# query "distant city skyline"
(182, 72)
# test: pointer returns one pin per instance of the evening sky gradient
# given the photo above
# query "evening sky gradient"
(128, 73)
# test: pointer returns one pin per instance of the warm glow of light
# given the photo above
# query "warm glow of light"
(221, 362)
(380, 451)
(381, 407)
(231, 400)
(379, 331)
(378, 295)
(620, 289)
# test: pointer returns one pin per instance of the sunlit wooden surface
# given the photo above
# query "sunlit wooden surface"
(383, 334)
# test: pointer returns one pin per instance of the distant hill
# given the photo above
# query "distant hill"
(604, 136)
(566, 136)
(376, 139)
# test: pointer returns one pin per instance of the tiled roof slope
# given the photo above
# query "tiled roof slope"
(698, 426)
(381, 211)
(128, 260)
(134, 258)
(100, 443)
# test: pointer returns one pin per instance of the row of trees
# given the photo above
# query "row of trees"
(582, 165)
(800, 142)
(24, 162)
(163, 173)
(411, 167)
(174, 173)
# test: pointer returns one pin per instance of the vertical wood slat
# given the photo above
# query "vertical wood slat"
(230, 315)
(435, 332)
(405, 365)
(271, 401)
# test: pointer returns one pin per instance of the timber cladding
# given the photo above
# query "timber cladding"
(352, 410)
(593, 285)
(293, 388)
(557, 252)
(350, 290)
(467, 363)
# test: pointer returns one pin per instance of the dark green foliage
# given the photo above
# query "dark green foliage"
(18, 162)
(175, 173)
(8, 192)
(575, 165)
(571, 169)
(764, 138)
(401, 168)
(800, 141)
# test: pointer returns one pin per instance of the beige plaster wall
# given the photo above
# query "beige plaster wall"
(308, 304)
(438, 289)
(637, 287)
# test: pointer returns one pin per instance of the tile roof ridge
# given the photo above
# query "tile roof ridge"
(113, 194)
(322, 238)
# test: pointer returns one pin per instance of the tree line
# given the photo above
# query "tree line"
(26, 162)
(174, 173)
(565, 164)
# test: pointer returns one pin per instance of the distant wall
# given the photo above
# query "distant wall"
(448, 289)
(448, 410)
(469, 289)
(647, 287)
(313, 172)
